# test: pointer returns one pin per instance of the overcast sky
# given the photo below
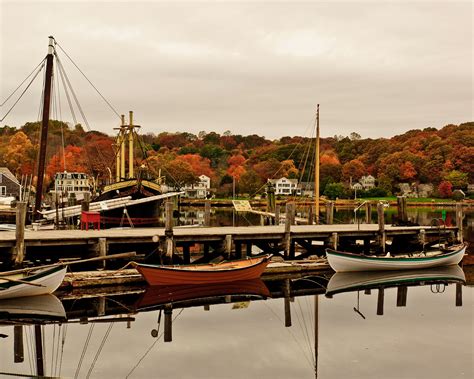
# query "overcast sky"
(376, 68)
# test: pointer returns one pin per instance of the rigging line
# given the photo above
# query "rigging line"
(60, 117)
(103, 98)
(102, 159)
(291, 333)
(21, 95)
(151, 347)
(71, 108)
(63, 342)
(84, 349)
(31, 73)
(304, 323)
(104, 340)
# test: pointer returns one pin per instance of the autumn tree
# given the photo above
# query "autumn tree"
(20, 154)
(73, 160)
(458, 179)
(445, 189)
(354, 169)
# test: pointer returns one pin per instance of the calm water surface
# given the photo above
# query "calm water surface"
(430, 337)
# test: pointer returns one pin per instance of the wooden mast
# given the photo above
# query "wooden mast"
(44, 127)
(316, 169)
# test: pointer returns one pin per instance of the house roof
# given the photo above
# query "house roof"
(8, 174)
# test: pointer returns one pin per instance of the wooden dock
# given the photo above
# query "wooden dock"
(277, 239)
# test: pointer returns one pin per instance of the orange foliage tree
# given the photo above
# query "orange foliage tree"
(72, 161)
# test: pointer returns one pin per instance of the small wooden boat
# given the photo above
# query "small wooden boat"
(34, 282)
(362, 280)
(346, 262)
(227, 271)
(156, 296)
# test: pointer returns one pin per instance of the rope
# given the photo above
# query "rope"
(21, 95)
(103, 98)
(100, 349)
(16, 89)
(84, 349)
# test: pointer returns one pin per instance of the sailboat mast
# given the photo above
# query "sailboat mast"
(316, 169)
(44, 127)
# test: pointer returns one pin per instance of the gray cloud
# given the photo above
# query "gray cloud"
(252, 67)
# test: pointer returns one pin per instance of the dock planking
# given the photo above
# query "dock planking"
(209, 234)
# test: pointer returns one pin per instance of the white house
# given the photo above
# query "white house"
(199, 190)
(284, 186)
(68, 183)
(366, 182)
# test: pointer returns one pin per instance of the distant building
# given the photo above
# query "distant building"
(199, 190)
(70, 184)
(9, 185)
(284, 186)
(305, 189)
(357, 186)
(367, 182)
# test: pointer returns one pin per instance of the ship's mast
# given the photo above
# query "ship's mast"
(44, 127)
(316, 169)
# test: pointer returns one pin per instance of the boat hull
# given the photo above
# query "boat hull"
(231, 271)
(354, 281)
(44, 281)
(347, 262)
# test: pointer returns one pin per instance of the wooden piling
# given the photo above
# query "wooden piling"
(458, 294)
(228, 245)
(277, 214)
(169, 242)
(186, 253)
(85, 203)
(39, 350)
(380, 299)
(286, 294)
(402, 296)
(168, 334)
(310, 215)
(402, 209)
(19, 250)
(381, 222)
(207, 213)
(335, 240)
(329, 212)
(19, 355)
(459, 219)
(288, 222)
(422, 237)
(102, 248)
(368, 212)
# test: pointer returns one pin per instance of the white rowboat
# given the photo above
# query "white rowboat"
(347, 262)
(39, 281)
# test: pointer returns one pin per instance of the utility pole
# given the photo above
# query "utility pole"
(44, 127)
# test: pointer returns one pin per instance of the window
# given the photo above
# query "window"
(3, 191)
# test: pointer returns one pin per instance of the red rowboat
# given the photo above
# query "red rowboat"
(156, 296)
(227, 271)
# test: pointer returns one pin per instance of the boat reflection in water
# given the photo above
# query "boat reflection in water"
(437, 278)
(31, 309)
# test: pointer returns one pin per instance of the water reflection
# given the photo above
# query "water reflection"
(276, 329)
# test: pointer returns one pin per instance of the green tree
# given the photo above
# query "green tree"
(335, 190)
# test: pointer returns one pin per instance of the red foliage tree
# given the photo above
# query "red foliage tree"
(445, 189)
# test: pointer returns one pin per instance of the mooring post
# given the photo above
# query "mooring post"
(207, 213)
(368, 212)
(248, 249)
(238, 249)
(381, 221)
(335, 240)
(169, 242)
(458, 294)
(380, 302)
(402, 296)
(168, 335)
(19, 355)
(19, 250)
(402, 209)
(286, 295)
(85, 202)
(187, 253)
(459, 217)
(228, 245)
(39, 350)
(310, 215)
(288, 221)
(277, 214)
(103, 248)
(422, 237)
(329, 212)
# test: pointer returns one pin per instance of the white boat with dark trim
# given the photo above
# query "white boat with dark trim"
(346, 262)
(37, 281)
(362, 280)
